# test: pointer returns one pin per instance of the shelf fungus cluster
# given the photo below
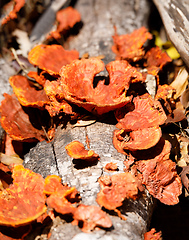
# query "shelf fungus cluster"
(140, 138)
(27, 198)
(77, 80)
(66, 85)
(140, 128)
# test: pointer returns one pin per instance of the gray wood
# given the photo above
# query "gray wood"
(5, 72)
(41, 160)
(175, 17)
(100, 17)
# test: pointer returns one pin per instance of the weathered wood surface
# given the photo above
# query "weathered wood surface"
(85, 178)
(99, 18)
(5, 72)
(175, 17)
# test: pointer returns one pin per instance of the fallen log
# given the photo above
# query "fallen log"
(95, 38)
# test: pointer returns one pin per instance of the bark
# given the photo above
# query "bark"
(175, 17)
(5, 72)
(99, 19)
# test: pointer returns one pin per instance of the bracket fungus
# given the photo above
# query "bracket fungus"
(39, 78)
(134, 140)
(51, 57)
(91, 217)
(156, 60)
(147, 113)
(27, 95)
(23, 201)
(130, 46)
(159, 173)
(52, 184)
(153, 235)
(59, 202)
(115, 189)
(77, 150)
(17, 5)
(139, 129)
(111, 166)
(57, 104)
(77, 82)
(16, 122)
(66, 19)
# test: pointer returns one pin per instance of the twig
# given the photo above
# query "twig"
(23, 68)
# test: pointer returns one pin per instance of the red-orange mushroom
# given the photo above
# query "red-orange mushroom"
(27, 95)
(18, 4)
(57, 103)
(111, 166)
(136, 140)
(24, 200)
(115, 189)
(130, 46)
(66, 19)
(52, 184)
(147, 113)
(159, 173)
(161, 180)
(77, 82)
(59, 202)
(91, 217)
(156, 60)
(51, 57)
(38, 78)
(153, 235)
(16, 122)
(77, 150)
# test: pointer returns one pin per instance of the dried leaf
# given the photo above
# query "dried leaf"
(184, 177)
(23, 201)
(173, 109)
(84, 123)
(91, 217)
(180, 82)
(51, 57)
(115, 189)
(23, 41)
(8, 160)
